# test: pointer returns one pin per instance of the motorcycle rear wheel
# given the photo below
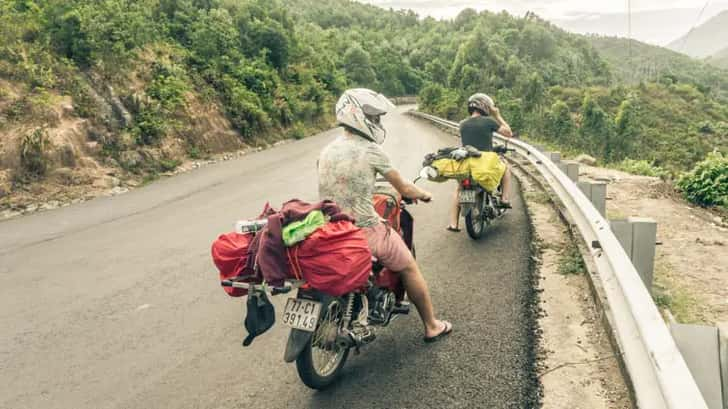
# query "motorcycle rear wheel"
(321, 361)
(475, 219)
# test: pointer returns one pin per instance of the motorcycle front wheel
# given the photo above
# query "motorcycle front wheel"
(475, 217)
(321, 361)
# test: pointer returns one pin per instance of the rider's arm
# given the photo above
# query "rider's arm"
(382, 165)
(405, 188)
(504, 128)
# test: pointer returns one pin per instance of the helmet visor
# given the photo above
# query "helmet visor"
(371, 111)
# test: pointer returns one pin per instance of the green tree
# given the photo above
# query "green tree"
(358, 66)
(214, 38)
(627, 130)
(595, 131)
(559, 124)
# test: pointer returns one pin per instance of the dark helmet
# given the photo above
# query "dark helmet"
(481, 103)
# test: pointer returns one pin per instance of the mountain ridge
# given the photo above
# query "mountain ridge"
(700, 42)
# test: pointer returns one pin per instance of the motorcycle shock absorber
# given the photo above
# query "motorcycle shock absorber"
(349, 309)
(357, 336)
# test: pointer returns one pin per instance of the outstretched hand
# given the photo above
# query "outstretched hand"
(426, 197)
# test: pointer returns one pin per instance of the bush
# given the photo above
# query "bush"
(168, 87)
(297, 131)
(194, 152)
(642, 167)
(151, 126)
(707, 183)
(168, 165)
(33, 153)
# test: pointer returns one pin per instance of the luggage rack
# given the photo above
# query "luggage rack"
(238, 283)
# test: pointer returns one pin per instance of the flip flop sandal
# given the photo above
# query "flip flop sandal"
(445, 332)
(452, 229)
(505, 205)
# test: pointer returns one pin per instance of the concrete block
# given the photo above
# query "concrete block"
(562, 167)
(572, 170)
(723, 347)
(597, 193)
(644, 236)
(698, 344)
(622, 229)
(638, 235)
(585, 188)
(599, 197)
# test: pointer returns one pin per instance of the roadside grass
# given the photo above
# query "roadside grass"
(149, 178)
(537, 197)
(615, 215)
(669, 295)
(571, 262)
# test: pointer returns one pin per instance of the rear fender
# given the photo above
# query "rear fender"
(297, 341)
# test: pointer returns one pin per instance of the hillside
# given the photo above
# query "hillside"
(719, 59)
(96, 95)
(671, 114)
(705, 39)
(651, 63)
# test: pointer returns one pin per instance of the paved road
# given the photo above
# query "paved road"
(114, 303)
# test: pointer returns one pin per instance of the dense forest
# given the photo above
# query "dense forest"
(156, 81)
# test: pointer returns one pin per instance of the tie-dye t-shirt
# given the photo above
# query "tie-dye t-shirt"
(347, 171)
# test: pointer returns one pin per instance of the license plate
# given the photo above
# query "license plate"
(301, 314)
(467, 196)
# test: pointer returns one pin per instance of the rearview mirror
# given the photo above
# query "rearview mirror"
(428, 172)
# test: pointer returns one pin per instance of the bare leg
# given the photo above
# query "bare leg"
(455, 209)
(417, 291)
(506, 183)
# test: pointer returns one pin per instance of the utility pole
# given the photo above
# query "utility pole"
(629, 38)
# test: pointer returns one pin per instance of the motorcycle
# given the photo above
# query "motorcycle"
(479, 207)
(324, 329)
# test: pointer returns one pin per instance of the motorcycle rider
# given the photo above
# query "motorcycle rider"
(347, 170)
(477, 131)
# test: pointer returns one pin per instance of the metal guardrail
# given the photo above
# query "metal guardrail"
(656, 368)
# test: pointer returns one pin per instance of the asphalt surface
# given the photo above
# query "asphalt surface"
(114, 303)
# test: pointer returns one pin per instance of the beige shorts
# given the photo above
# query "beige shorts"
(388, 247)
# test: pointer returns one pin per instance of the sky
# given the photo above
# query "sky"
(654, 21)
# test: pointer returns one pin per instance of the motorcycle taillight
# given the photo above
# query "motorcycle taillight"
(466, 183)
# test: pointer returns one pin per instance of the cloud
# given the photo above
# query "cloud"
(654, 21)
(550, 9)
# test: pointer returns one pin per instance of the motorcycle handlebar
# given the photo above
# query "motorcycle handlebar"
(502, 149)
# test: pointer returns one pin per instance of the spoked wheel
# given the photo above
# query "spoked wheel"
(321, 361)
(475, 218)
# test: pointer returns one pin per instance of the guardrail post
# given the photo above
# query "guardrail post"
(571, 169)
(644, 237)
(622, 229)
(699, 346)
(638, 235)
(723, 347)
(554, 156)
(597, 193)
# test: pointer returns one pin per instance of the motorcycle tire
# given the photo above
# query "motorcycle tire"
(309, 364)
(475, 219)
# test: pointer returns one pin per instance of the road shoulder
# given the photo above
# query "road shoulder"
(577, 366)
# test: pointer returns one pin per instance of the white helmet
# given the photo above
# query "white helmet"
(360, 110)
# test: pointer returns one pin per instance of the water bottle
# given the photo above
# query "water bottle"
(250, 226)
